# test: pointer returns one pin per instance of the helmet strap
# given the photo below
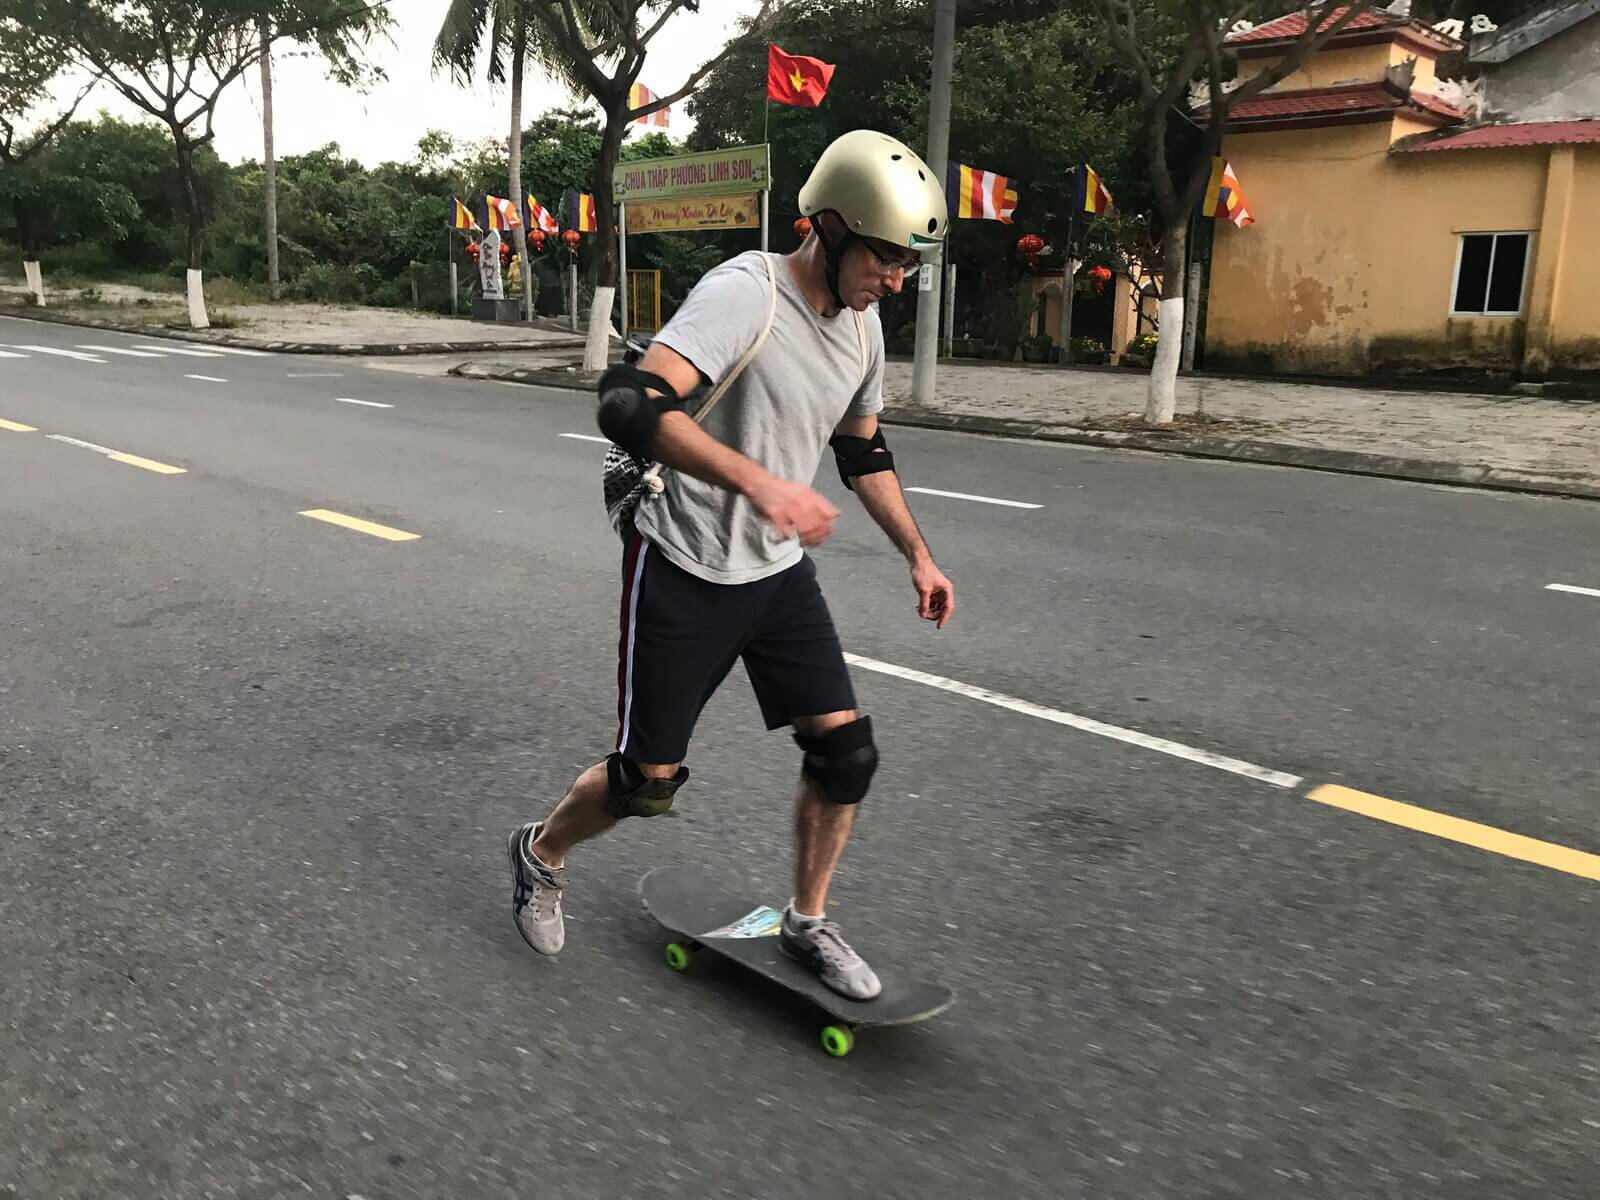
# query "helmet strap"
(833, 255)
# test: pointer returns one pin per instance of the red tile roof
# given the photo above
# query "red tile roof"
(1294, 24)
(1344, 100)
(1532, 133)
(1291, 26)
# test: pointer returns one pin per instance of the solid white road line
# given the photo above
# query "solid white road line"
(1568, 587)
(121, 350)
(315, 375)
(9, 354)
(586, 437)
(181, 350)
(1086, 724)
(967, 496)
(206, 378)
(242, 353)
(78, 354)
(368, 403)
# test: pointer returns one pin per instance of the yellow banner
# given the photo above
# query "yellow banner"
(697, 212)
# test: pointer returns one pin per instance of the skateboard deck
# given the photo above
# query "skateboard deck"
(706, 917)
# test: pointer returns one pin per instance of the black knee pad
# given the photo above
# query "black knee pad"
(841, 761)
(632, 793)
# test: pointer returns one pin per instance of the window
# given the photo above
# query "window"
(1490, 268)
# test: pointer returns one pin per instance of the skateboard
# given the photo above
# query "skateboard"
(705, 917)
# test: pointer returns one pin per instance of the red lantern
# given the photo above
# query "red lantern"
(472, 251)
(537, 238)
(1030, 244)
(572, 237)
(802, 228)
(1099, 277)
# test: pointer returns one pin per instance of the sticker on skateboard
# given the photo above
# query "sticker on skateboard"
(758, 922)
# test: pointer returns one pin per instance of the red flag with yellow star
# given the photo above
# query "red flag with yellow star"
(797, 79)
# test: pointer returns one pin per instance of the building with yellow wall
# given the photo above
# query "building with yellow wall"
(1407, 222)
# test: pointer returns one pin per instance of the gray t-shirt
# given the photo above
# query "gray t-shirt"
(781, 410)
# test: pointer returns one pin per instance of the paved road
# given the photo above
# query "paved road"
(256, 771)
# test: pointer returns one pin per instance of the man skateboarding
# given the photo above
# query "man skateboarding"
(716, 569)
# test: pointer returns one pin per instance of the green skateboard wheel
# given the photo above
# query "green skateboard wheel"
(678, 956)
(838, 1040)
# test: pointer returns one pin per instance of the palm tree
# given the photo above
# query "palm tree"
(507, 32)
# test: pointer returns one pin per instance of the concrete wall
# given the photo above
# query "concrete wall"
(1350, 266)
(1558, 80)
(1345, 64)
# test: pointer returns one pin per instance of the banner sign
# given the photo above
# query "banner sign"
(694, 212)
(712, 173)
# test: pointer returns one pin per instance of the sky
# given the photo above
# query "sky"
(385, 122)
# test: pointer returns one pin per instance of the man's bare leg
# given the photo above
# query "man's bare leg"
(821, 827)
(583, 813)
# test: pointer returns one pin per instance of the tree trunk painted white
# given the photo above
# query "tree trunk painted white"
(1162, 402)
(597, 345)
(197, 302)
(35, 276)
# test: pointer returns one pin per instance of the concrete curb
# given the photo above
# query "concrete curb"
(1279, 454)
(371, 349)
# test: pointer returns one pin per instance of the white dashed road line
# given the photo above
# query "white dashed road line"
(77, 354)
(1085, 724)
(1573, 588)
(968, 496)
(181, 350)
(121, 350)
(368, 403)
(9, 354)
(206, 378)
(586, 437)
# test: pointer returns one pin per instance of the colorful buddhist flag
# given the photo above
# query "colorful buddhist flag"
(502, 213)
(980, 195)
(538, 216)
(639, 97)
(580, 212)
(1089, 192)
(1223, 197)
(463, 217)
(797, 79)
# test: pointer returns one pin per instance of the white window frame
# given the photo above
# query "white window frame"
(1494, 250)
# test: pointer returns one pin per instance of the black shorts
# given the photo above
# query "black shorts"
(682, 634)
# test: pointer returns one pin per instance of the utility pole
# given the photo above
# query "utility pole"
(930, 277)
(269, 162)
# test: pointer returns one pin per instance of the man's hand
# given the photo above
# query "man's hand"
(936, 596)
(794, 508)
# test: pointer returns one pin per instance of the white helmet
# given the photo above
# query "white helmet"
(881, 188)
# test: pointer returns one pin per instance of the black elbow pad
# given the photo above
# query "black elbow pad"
(627, 415)
(860, 456)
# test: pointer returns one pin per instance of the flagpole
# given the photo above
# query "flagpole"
(1066, 284)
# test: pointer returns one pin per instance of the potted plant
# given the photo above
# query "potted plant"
(1140, 352)
(1036, 349)
(1089, 351)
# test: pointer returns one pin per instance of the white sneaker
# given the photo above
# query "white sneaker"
(820, 946)
(535, 894)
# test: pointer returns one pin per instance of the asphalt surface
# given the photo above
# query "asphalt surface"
(256, 772)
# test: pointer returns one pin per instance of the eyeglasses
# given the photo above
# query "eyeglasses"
(888, 263)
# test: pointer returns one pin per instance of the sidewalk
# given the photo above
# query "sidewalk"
(301, 328)
(1520, 443)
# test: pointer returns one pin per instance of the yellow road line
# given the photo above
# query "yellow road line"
(360, 526)
(17, 428)
(149, 464)
(1470, 833)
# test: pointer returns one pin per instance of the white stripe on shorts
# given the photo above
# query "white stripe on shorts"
(633, 624)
